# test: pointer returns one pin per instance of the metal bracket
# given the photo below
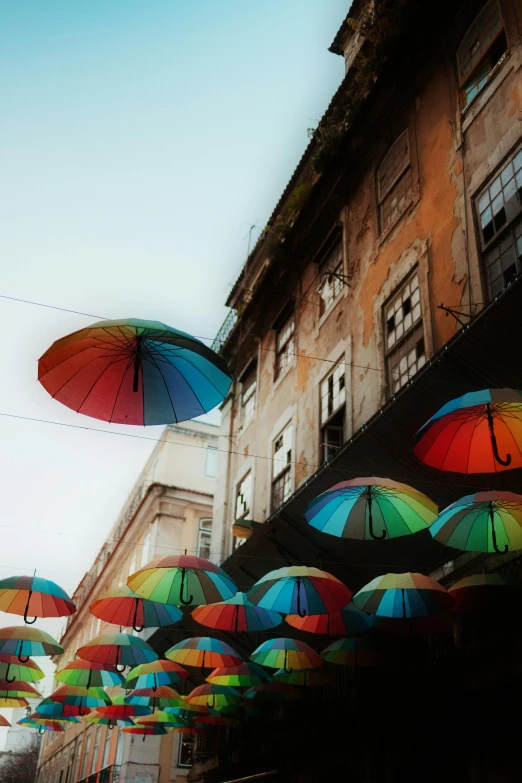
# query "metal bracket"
(343, 278)
(457, 315)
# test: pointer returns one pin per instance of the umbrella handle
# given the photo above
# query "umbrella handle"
(493, 533)
(285, 667)
(370, 520)
(22, 658)
(301, 612)
(26, 621)
(135, 627)
(213, 701)
(41, 730)
(491, 425)
(120, 667)
(155, 686)
(110, 725)
(7, 677)
(182, 587)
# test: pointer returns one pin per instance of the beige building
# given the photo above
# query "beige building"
(169, 510)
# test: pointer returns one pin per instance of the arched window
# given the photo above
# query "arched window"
(394, 182)
(481, 49)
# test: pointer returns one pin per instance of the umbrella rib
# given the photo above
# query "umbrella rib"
(129, 362)
(187, 359)
(153, 360)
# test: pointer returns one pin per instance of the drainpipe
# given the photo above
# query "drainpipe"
(229, 468)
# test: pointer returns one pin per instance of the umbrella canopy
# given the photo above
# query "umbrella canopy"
(117, 649)
(32, 596)
(182, 580)
(4, 721)
(215, 697)
(346, 622)
(287, 654)
(11, 669)
(122, 607)
(52, 709)
(99, 718)
(300, 590)
(162, 718)
(273, 691)
(305, 677)
(480, 432)
(18, 689)
(237, 615)
(89, 674)
(353, 651)
(154, 674)
(132, 371)
(246, 674)
(403, 596)
(120, 709)
(84, 697)
(483, 522)
(41, 724)
(204, 652)
(158, 699)
(11, 702)
(371, 509)
(23, 641)
(146, 731)
(486, 593)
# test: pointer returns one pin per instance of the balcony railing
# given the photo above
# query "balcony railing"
(224, 332)
(107, 775)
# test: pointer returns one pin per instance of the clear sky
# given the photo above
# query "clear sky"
(139, 141)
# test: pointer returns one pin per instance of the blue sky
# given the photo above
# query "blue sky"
(140, 140)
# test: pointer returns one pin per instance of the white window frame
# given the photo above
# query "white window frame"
(211, 450)
(203, 532)
(248, 398)
(331, 271)
(285, 346)
(471, 81)
(247, 506)
(405, 328)
(282, 466)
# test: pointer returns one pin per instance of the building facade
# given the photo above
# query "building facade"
(169, 510)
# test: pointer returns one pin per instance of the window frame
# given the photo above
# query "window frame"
(284, 357)
(384, 194)
(402, 340)
(189, 741)
(202, 532)
(326, 423)
(248, 510)
(248, 396)
(482, 60)
(331, 264)
(284, 473)
(215, 452)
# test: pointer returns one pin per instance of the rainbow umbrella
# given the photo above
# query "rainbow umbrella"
(118, 649)
(4, 722)
(49, 708)
(204, 652)
(236, 615)
(121, 709)
(23, 641)
(134, 372)
(486, 593)
(353, 651)
(12, 703)
(287, 654)
(371, 509)
(483, 522)
(348, 621)
(246, 674)
(24, 672)
(300, 590)
(480, 432)
(154, 674)
(305, 677)
(32, 596)
(146, 731)
(429, 625)
(187, 710)
(91, 698)
(158, 699)
(49, 719)
(17, 689)
(215, 697)
(88, 674)
(162, 718)
(98, 718)
(40, 724)
(122, 607)
(182, 580)
(403, 596)
(273, 691)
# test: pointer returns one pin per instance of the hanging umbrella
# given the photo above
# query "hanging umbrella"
(23, 641)
(158, 699)
(122, 607)
(483, 522)
(182, 580)
(300, 590)
(4, 722)
(246, 674)
(480, 432)
(353, 651)
(236, 615)
(162, 718)
(88, 674)
(305, 677)
(51, 719)
(49, 708)
(98, 718)
(32, 596)
(273, 691)
(154, 674)
(346, 622)
(287, 654)
(146, 731)
(118, 649)
(189, 711)
(11, 669)
(134, 372)
(120, 709)
(12, 703)
(90, 698)
(215, 720)
(18, 689)
(429, 625)
(41, 725)
(216, 697)
(371, 509)
(486, 594)
(204, 652)
(403, 595)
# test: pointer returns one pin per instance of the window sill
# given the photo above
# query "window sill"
(327, 313)
(471, 111)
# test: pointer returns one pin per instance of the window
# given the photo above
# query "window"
(244, 497)
(332, 277)
(86, 750)
(499, 210)
(96, 749)
(204, 537)
(285, 345)
(107, 748)
(394, 183)
(404, 334)
(333, 398)
(186, 750)
(481, 49)
(282, 468)
(132, 564)
(145, 550)
(248, 395)
(211, 462)
(119, 748)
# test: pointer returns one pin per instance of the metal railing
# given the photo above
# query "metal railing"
(108, 775)
(224, 332)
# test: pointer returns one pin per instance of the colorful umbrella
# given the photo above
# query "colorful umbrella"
(162, 718)
(486, 593)
(154, 674)
(146, 731)
(246, 674)
(483, 522)
(204, 652)
(403, 595)
(117, 649)
(353, 651)
(32, 596)
(188, 711)
(17, 689)
(158, 699)
(287, 654)
(49, 719)
(216, 697)
(120, 709)
(273, 691)
(371, 509)
(23, 641)
(98, 718)
(52, 709)
(236, 615)
(10, 702)
(134, 372)
(480, 432)
(4, 722)
(305, 677)
(82, 697)
(300, 590)
(88, 674)
(182, 580)
(11, 669)
(347, 622)
(41, 725)
(122, 607)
